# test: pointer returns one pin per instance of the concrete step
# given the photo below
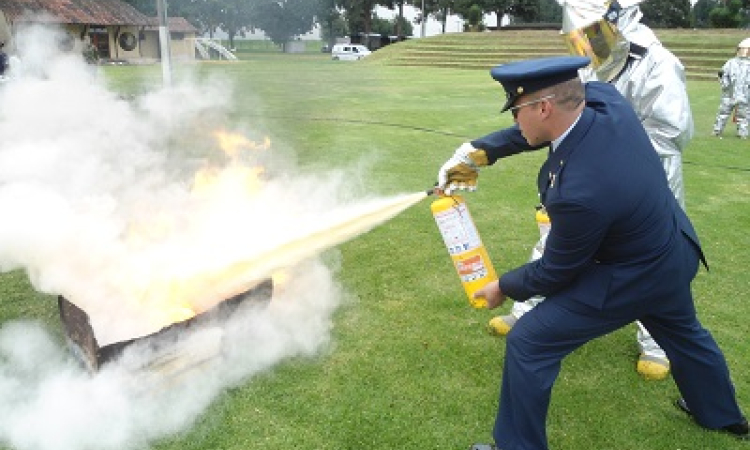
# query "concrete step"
(703, 52)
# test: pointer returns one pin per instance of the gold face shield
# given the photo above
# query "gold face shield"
(603, 43)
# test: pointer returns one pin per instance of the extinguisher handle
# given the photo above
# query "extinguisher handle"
(434, 190)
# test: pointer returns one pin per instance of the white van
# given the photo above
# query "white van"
(349, 52)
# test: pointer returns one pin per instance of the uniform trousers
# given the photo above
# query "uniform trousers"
(541, 338)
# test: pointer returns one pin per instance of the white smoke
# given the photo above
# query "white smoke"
(48, 402)
(80, 169)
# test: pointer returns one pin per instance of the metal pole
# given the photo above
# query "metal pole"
(424, 19)
(166, 56)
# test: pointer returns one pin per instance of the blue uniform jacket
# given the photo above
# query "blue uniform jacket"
(616, 226)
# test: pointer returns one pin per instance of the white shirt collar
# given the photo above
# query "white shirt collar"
(560, 138)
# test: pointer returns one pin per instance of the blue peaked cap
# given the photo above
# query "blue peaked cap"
(524, 77)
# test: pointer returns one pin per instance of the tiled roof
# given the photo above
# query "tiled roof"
(178, 24)
(93, 12)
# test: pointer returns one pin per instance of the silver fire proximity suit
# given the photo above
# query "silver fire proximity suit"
(653, 80)
(734, 78)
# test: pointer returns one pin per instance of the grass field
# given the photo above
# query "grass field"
(410, 365)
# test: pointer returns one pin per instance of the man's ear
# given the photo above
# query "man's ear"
(545, 108)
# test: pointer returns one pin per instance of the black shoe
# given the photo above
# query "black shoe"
(740, 429)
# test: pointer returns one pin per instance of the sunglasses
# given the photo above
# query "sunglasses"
(514, 109)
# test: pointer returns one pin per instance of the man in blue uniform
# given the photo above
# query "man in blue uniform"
(627, 54)
(620, 249)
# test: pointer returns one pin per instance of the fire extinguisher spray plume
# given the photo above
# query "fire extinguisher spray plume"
(341, 226)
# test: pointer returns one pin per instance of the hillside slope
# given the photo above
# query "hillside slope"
(703, 52)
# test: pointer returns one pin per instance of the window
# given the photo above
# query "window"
(127, 41)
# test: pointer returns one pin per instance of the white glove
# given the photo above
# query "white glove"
(461, 171)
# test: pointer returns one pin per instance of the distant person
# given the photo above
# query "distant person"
(90, 52)
(4, 61)
(734, 77)
(620, 249)
(626, 54)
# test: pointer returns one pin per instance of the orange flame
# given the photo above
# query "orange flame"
(234, 143)
(236, 178)
(179, 299)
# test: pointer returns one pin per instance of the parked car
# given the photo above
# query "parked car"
(349, 52)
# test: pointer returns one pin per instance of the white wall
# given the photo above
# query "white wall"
(454, 24)
(259, 35)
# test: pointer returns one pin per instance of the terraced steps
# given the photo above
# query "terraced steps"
(703, 52)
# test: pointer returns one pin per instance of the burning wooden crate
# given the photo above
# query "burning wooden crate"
(82, 339)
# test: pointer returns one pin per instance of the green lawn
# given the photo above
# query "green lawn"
(410, 365)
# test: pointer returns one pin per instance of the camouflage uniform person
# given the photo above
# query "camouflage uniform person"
(734, 77)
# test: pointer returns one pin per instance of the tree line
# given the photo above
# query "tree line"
(283, 20)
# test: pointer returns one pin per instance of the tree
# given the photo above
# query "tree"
(336, 27)
(386, 27)
(358, 14)
(440, 10)
(549, 12)
(523, 11)
(474, 18)
(701, 11)
(281, 20)
(235, 16)
(147, 7)
(393, 4)
(207, 15)
(666, 13)
(332, 23)
(232, 16)
(444, 9)
(726, 16)
(432, 8)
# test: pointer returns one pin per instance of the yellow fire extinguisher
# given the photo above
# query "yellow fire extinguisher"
(462, 240)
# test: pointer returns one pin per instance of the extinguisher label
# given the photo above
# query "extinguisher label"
(458, 230)
(471, 269)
